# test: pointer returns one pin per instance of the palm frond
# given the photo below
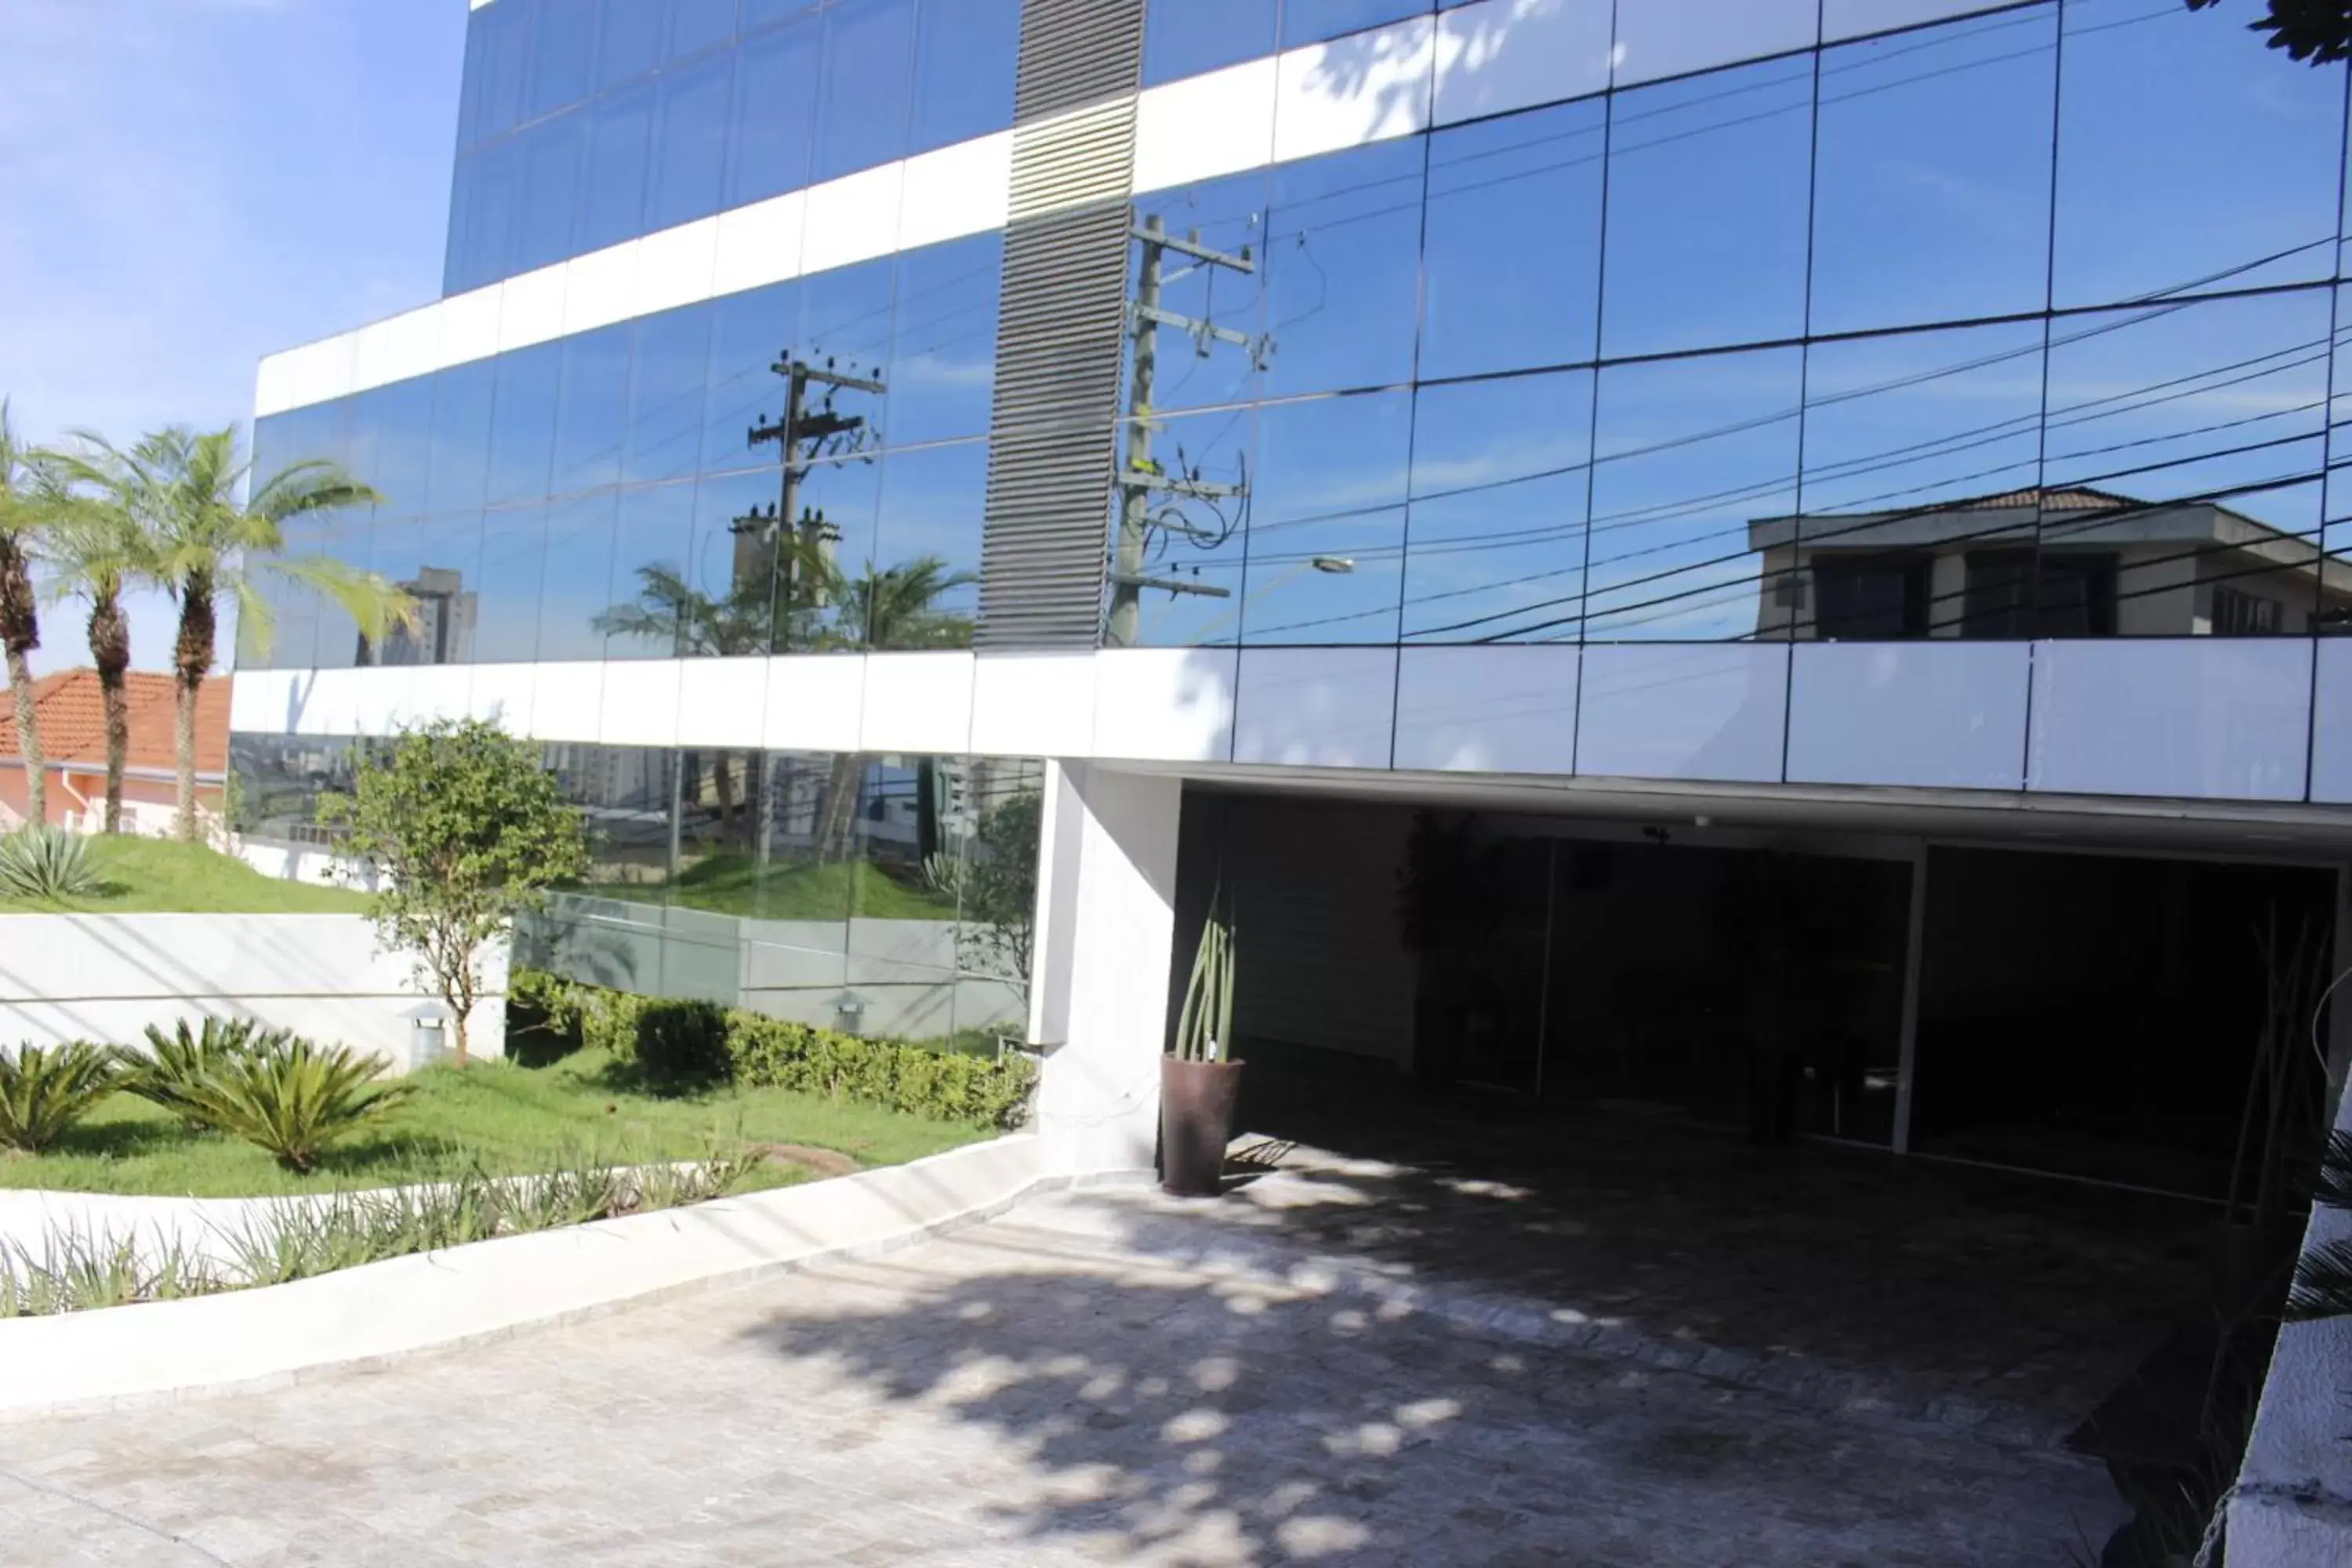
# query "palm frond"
(2322, 1285)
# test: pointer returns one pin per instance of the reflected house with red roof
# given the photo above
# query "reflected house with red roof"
(72, 718)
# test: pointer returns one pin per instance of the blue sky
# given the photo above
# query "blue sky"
(188, 184)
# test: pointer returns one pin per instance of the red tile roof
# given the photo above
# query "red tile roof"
(72, 717)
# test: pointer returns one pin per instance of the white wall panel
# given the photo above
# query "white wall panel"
(372, 354)
(640, 702)
(1679, 710)
(2216, 718)
(722, 702)
(1939, 713)
(1850, 18)
(324, 702)
(1034, 705)
(1319, 707)
(501, 695)
(322, 370)
(955, 191)
(567, 701)
(600, 287)
(1220, 123)
(530, 308)
(431, 692)
(1504, 709)
(815, 702)
(470, 327)
(1501, 54)
(2331, 725)
(1667, 37)
(273, 385)
(852, 219)
(263, 701)
(917, 702)
(760, 244)
(1165, 704)
(1363, 87)
(675, 267)
(413, 344)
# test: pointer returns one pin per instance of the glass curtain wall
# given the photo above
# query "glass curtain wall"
(585, 122)
(889, 895)
(2008, 324)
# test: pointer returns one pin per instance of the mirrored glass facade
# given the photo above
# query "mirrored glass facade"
(586, 122)
(889, 895)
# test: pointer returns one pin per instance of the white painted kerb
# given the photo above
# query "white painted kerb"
(174, 1349)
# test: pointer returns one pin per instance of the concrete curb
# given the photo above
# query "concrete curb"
(162, 1351)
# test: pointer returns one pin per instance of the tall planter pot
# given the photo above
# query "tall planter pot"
(1196, 1123)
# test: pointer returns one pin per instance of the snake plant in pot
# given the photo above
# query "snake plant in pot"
(1198, 1083)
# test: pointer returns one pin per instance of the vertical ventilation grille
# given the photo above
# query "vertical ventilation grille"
(1060, 339)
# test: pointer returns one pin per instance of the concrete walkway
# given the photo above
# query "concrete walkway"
(1091, 1378)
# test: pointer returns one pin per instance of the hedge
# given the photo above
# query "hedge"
(683, 1043)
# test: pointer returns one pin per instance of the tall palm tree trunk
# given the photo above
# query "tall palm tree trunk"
(28, 735)
(110, 650)
(192, 659)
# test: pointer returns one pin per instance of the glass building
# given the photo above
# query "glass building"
(1908, 417)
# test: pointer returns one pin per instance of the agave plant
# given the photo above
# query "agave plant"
(43, 861)
(292, 1098)
(44, 1091)
(168, 1070)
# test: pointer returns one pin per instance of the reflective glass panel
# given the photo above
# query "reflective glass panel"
(666, 392)
(689, 163)
(437, 560)
(1689, 454)
(924, 589)
(845, 326)
(1511, 255)
(1700, 171)
(1343, 265)
(543, 221)
(628, 39)
(2157, 197)
(1187, 502)
(942, 358)
(649, 601)
(506, 53)
(1326, 528)
(1495, 532)
(522, 426)
(514, 564)
(492, 189)
(403, 455)
(1185, 38)
(697, 25)
(869, 72)
(1193, 369)
(750, 333)
(965, 55)
(288, 639)
(734, 567)
(562, 56)
(1305, 21)
(820, 598)
(1932, 197)
(576, 586)
(2334, 594)
(463, 399)
(775, 112)
(1668, 38)
(613, 199)
(591, 410)
(344, 535)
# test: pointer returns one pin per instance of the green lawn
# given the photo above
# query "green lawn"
(144, 876)
(508, 1120)
(736, 884)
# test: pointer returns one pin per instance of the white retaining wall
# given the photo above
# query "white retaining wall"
(106, 977)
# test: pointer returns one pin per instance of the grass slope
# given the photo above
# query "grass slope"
(153, 876)
(508, 1120)
(735, 885)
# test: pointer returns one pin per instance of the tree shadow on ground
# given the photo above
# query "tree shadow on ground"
(1166, 1402)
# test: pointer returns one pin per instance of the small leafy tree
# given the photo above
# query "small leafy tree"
(464, 831)
(995, 889)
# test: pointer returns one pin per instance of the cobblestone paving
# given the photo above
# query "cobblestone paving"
(1090, 1379)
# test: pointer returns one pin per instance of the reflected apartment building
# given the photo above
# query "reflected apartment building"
(1823, 513)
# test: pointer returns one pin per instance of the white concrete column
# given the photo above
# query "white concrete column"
(1099, 1002)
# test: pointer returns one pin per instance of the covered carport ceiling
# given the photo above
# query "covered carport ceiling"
(2240, 829)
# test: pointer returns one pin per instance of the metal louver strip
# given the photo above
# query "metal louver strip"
(1061, 326)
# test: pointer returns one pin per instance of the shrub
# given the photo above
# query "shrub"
(43, 1092)
(41, 861)
(169, 1071)
(293, 1098)
(682, 1043)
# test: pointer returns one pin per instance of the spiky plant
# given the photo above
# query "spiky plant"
(2323, 1278)
(169, 1070)
(44, 1090)
(1205, 1030)
(294, 1098)
(41, 860)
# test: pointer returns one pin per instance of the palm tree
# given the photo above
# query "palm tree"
(92, 549)
(893, 606)
(205, 546)
(22, 505)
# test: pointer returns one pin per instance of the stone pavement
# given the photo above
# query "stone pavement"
(1091, 1378)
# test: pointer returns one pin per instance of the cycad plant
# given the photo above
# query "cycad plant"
(44, 1090)
(43, 861)
(2322, 1280)
(1205, 1030)
(175, 1065)
(294, 1098)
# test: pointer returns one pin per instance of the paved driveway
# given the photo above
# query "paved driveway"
(1092, 1378)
